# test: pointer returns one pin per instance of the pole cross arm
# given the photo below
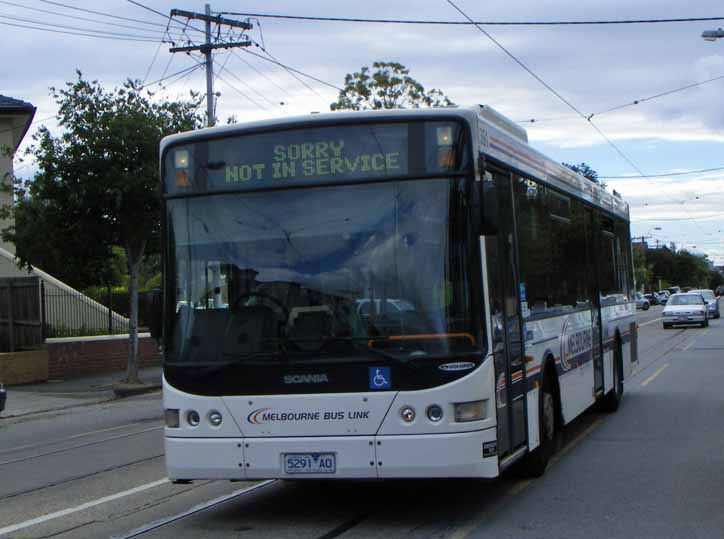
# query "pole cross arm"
(204, 48)
(211, 18)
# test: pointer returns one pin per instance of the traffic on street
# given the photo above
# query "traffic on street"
(653, 469)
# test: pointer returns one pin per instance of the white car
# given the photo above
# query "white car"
(712, 302)
(685, 308)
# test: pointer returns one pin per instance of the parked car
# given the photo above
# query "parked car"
(674, 290)
(664, 295)
(3, 398)
(653, 298)
(642, 302)
(719, 290)
(685, 308)
(712, 302)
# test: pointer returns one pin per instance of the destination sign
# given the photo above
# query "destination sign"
(310, 155)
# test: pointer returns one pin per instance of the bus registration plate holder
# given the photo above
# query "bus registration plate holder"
(301, 463)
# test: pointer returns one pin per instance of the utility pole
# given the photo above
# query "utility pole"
(207, 47)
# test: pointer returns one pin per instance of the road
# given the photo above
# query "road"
(654, 469)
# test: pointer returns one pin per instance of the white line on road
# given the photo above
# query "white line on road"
(650, 322)
(82, 507)
(651, 378)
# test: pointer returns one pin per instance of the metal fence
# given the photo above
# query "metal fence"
(69, 313)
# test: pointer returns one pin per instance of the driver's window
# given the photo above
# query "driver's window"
(211, 282)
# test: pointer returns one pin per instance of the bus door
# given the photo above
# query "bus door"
(595, 300)
(505, 297)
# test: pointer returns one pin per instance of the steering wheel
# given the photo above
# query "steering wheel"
(235, 306)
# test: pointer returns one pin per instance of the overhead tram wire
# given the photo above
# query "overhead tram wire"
(250, 87)
(559, 96)
(700, 171)
(630, 103)
(241, 93)
(471, 22)
(293, 72)
(79, 33)
(77, 18)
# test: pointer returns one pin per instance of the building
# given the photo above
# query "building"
(15, 119)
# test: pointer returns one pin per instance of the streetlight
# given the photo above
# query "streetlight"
(712, 35)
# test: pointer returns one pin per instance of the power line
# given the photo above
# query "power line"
(64, 26)
(241, 93)
(76, 17)
(101, 13)
(292, 70)
(223, 68)
(700, 171)
(153, 60)
(161, 14)
(19, 127)
(261, 73)
(472, 22)
(78, 33)
(172, 75)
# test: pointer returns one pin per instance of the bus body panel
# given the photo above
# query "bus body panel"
(204, 458)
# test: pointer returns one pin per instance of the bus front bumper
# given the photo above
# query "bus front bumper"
(355, 457)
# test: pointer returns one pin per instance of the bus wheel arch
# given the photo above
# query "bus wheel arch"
(612, 399)
(549, 422)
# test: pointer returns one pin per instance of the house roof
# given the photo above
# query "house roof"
(22, 114)
(12, 104)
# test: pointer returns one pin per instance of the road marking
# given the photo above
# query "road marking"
(520, 486)
(651, 378)
(650, 322)
(82, 507)
(195, 509)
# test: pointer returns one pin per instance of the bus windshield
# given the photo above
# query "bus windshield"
(333, 273)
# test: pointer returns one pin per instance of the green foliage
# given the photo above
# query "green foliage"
(388, 87)
(59, 330)
(98, 182)
(586, 171)
(680, 268)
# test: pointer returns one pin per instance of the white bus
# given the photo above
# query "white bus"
(387, 294)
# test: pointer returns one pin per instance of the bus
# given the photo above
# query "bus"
(384, 294)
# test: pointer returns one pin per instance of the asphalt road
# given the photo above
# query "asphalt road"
(653, 469)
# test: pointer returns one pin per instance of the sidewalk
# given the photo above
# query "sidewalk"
(56, 395)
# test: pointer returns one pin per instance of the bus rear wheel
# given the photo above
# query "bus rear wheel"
(534, 463)
(613, 398)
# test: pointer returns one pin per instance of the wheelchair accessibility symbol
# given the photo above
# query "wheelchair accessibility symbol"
(380, 378)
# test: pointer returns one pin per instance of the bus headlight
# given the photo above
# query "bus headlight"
(215, 418)
(470, 411)
(171, 416)
(192, 417)
(408, 414)
(434, 413)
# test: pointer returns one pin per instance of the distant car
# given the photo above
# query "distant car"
(653, 298)
(3, 398)
(712, 302)
(664, 296)
(642, 302)
(674, 290)
(685, 308)
(719, 290)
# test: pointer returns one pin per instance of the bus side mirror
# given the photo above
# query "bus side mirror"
(152, 312)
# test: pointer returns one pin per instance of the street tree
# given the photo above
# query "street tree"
(97, 184)
(389, 86)
(586, 171)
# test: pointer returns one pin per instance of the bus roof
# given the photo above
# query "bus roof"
(498, 138)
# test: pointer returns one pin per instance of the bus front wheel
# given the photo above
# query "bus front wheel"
(534, 463)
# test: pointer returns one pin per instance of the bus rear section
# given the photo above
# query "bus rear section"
(323, 299)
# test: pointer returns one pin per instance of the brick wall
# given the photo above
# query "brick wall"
(23, 367)
(68, 358)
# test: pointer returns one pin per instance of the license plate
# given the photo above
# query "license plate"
(299, 463)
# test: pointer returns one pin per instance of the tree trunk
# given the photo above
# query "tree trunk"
(133, 256)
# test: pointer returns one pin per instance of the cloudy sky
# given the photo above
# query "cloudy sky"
(594, 67)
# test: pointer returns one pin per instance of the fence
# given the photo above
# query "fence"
(69, 313)
(21, 316)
